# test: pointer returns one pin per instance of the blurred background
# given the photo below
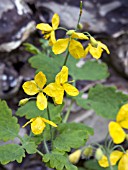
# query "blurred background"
(107, 20)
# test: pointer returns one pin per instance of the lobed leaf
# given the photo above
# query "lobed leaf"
(9, 128)
(11, 152)
(58, 161)
(72, 135)
(29, 145)
(106, 101)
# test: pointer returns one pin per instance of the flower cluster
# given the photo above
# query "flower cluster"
(54, 90)
(115, 156)
(75, 48)
(116, 128)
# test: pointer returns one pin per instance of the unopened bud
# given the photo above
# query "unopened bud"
(75, 156)
(88, 152)
(93, 42)
(23, 101)
(80, 26)
(99, 154)
(70, 32)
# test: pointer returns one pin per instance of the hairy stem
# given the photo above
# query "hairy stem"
(48, 112)
(68, 113)
(40, 153)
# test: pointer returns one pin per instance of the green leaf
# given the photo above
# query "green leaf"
(52, 65)
(31, 48)
(29, 110)
(93, 165)
(72, 135)
(80, 101)
(28, 144)
(11, 152)
(49, 66)
(9, 128)
(106, 101)
(58, 161)
(91, 70)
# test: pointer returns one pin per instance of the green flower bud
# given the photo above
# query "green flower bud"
(126, 137)
(70, 32)
(23, 101)
(88, 152)
(98, 154)
(80, 26)
(75, 156)
(93, 42)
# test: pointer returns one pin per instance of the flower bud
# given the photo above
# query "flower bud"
(88, 152)
(70, 32)
(23, 101)
(80, 26)
(75, 156)
(99, 154)
(126, 137)
(93, 42)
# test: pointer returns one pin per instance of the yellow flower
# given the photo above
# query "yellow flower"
(56, 89)
(115, 128)
(48, 31)
(36, 86)
(38, 124)
(96, 48)
(116, 156)
(75, 48)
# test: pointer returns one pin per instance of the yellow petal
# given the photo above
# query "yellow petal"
(87, 50)
(30, 87)
(44, 27)
(122, 116)
(123, 163)
(49, 122)
(51, 89)
(55, 21)
(56, 91)
(103, 162)
(37, 126)
(76, 49)
(79, 36)
(52, 39)
(60, 46)
(41, 101)
(95, 51)
(62, 76)
(31, 120)
(104, 47)
(116, 132)
(40, 79)
(115, 156)
(71, 90)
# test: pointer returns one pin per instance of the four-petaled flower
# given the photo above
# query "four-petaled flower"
(56, 89)
(96, 48)
(38, 124)
(115, 156)
(75, 48)
(115, 128)
(36, 86)
(48, 31)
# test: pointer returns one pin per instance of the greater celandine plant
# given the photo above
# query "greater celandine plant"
(44, 109)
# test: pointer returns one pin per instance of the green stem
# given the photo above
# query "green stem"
(45, 146)
(68, 113)
(50, 125)
(61, 28)
(40, 153)
(79, 16)
(109, 162)
(119, 146)
(66, 58)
